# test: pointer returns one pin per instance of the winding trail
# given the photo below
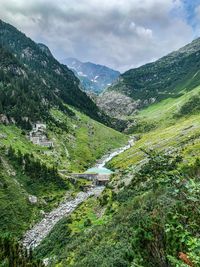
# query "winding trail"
(34, 236)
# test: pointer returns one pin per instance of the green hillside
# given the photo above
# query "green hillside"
(169, 77)
(164, 78)
(74, 151)
(34, 87)
(35, 78)
(148, 214)
(150, 222)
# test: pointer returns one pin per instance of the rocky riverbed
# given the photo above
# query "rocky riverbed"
(34, 236)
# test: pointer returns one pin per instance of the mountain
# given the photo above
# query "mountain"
(35, 89)
(148, 214)
(93, 77)
(40, 76)
(169, 76)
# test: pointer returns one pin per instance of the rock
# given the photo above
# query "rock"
(46, 261)
(34, 236)
(4, 119)
(32, 199)
(116, 104)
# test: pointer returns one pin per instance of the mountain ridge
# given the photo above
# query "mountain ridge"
(93, 77)
(152, 82)
(57, 85)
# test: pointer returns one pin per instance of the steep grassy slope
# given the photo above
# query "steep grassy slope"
(148, 215)
(76, 147)
(78, 141)
(151, 222)
(35, 87)
(165, 77)
(29, 69)
(21, 178)
(169, 76)
(173, 123)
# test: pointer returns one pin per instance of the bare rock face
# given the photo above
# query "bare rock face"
(116, 104)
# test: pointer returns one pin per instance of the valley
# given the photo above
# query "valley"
(34, 236)
(132, 199)
(104, 181)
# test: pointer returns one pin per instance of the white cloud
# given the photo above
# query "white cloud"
(118, 33)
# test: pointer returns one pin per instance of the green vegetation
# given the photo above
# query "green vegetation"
(152, 220)
(167, 111)
(148, 215)
(164, 78)
(190, 107)
(21, 177)
(32, 81)
(28, 169)
(86, 141)
(149, 212)
(16, 211)
(13, 254)
(78, 141)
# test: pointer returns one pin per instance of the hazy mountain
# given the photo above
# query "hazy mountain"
(93, 77)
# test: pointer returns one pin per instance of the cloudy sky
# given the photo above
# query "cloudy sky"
(118, 33)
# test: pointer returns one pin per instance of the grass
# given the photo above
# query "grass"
(169, 134)
(164, 110)
(76, 147)
(89, 210)
(184, 136)
(86, 141)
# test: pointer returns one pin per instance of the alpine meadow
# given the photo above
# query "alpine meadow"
(100, 133)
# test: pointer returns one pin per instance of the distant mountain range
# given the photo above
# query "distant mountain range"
(94, 78)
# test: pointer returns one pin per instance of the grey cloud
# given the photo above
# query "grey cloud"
(117, 33)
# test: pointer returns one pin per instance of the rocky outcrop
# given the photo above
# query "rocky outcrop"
(116, 104)
(4, 119)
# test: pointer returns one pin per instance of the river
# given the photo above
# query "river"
(34, 236)
(100, 165)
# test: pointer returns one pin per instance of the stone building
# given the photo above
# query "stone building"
(38, 135)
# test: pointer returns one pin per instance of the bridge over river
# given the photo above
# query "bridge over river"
(99, 176)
